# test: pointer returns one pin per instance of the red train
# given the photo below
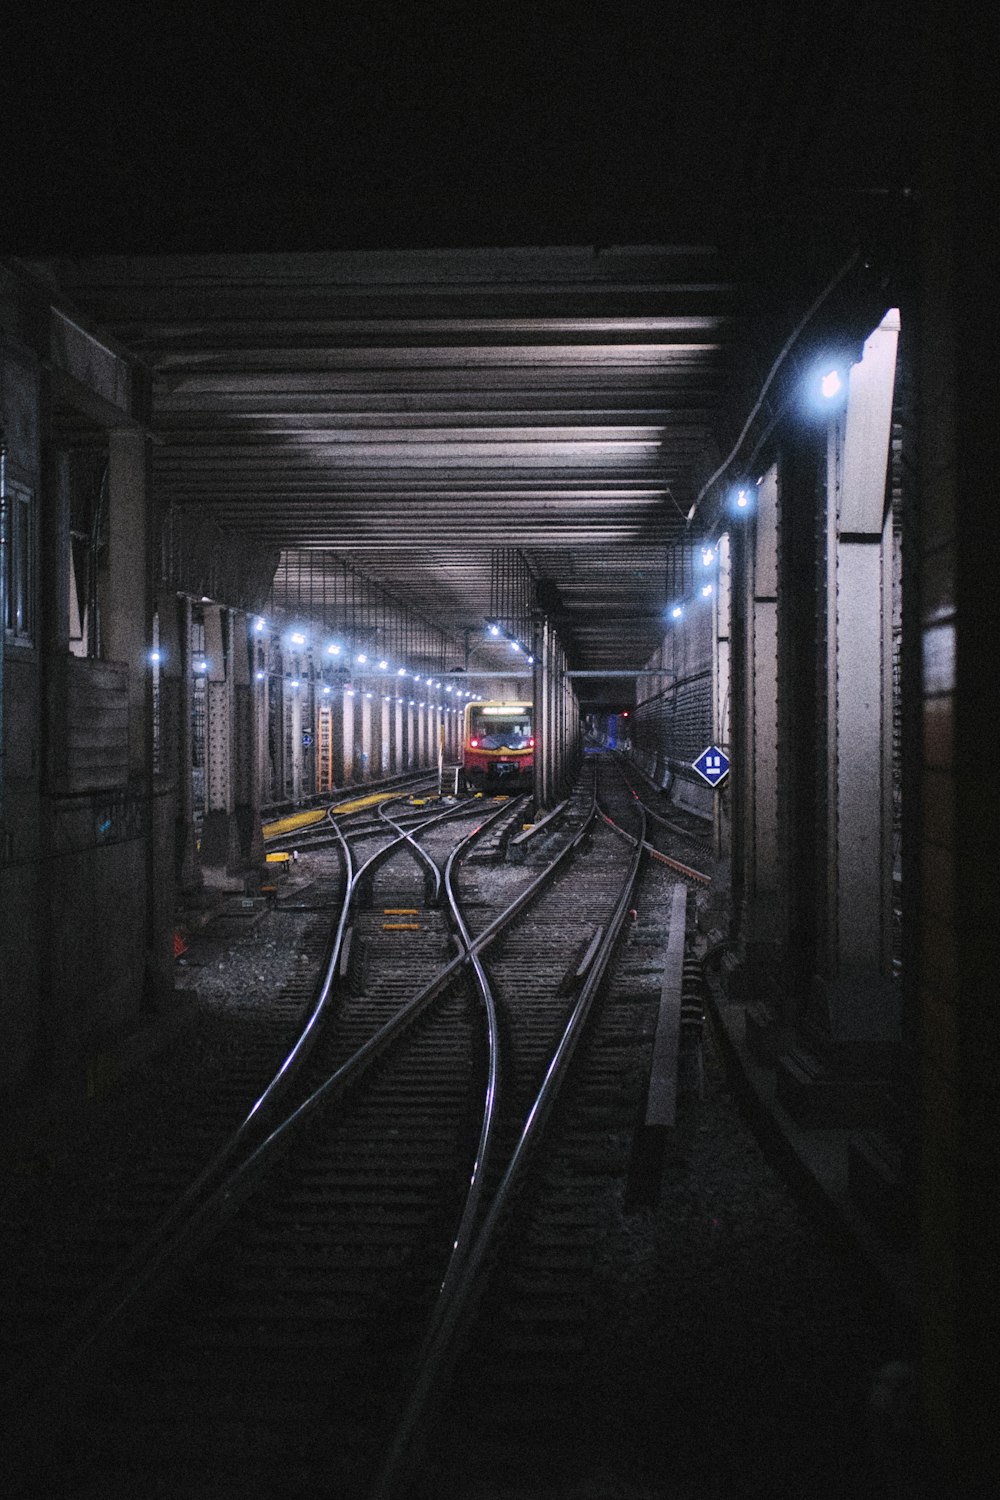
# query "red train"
(498, 748)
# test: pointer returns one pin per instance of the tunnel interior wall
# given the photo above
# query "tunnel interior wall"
(85, 885)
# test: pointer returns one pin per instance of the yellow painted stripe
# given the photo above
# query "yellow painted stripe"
(400, 926)
(400, 911)
(294, 821)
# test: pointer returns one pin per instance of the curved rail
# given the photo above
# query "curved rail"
(212, 1199)
(698, 876)
(100, 1310)
(473, 1248)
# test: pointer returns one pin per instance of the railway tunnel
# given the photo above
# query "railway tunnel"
(272, 520)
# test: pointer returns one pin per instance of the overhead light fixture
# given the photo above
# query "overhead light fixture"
(830, 384)
(297, 638)
(676, 612)
(333, 649)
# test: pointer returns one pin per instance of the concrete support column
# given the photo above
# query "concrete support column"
(248, 702)
(347, 734)
(385, 740)
(188, 869)
(398, 747)
(366, 758)
(310, 730)
(425, 734)
(335, 707)
(860, 999)
(128, 615)
(262, 686)
(541, 687)
(220, 844)
(293, 710)
(54, 591)
(438, 736)
(410, 751)
(763, 922)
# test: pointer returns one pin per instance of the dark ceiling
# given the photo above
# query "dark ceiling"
(278, 220)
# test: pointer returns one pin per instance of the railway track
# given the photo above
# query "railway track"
(324, 1286)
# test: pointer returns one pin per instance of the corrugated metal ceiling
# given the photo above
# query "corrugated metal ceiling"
(413, 410)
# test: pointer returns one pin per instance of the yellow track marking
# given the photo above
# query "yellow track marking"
(400, 926)
(295, 821)
(400, 911)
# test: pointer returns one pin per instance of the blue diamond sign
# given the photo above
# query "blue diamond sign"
(712, 765)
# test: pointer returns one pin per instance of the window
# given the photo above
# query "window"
(19, 624)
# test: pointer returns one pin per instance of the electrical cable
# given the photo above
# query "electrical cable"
(789, 343)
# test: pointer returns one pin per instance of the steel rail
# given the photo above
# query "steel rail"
(94, 1309)
(405, 836)
(466, 1227)
(665, 859)
(180, 1235)
(460, 1290)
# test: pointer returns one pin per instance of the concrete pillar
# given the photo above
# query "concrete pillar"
(247, 706)
(425, 734)
(385, 740)
(347, 734)
(398, 746)
(334, 702)
(763, 920)
(310, 730)
(220, 843)
(293, 712)
(411, 747)
(189, 875)
(367, 761)
(861, 1001)
(543, 728)
(262, 686)
(54, 512)
(128, 613)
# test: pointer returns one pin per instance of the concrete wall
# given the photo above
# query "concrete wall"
(85, 846)
(959, 828)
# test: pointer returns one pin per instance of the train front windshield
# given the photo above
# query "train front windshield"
(500, 731)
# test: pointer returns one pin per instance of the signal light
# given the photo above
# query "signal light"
(474, 744)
